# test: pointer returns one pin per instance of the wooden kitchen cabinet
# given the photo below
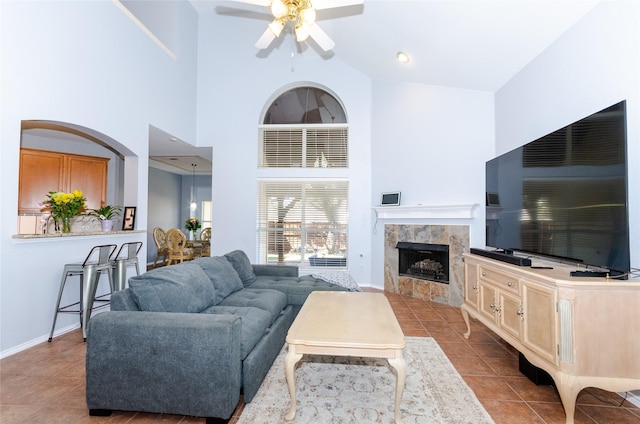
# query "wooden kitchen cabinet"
(42, 171)
(582, 331)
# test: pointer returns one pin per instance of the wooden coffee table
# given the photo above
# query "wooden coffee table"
(346, 324)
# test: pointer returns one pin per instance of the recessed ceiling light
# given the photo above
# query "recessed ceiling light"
(173, 139)
(402, 57)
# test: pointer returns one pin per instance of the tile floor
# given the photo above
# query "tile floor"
(45, 384)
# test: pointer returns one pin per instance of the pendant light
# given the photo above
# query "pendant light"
(193, 203)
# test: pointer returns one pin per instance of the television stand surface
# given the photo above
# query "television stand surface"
(548, 316)
(506, 256)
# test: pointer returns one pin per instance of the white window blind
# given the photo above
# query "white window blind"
(300, 221)
(323, 146)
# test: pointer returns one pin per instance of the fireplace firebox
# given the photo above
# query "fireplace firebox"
(424, 261)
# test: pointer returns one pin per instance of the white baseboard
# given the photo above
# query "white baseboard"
(632, 396)
(37, 341)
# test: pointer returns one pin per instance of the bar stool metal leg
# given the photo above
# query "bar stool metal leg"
(120, 274)
(55, 312)
(91, 275)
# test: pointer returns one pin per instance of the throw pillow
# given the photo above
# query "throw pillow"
(176, 288)
(242, 265)
(222, 274)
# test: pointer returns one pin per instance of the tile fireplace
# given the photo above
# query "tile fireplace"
(425, 261)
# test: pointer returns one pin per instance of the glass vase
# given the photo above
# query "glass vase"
(194, 234)
(66, 224)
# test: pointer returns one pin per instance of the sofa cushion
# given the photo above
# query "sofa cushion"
(242, 265)
(296, 288)
(255, 322)
(222, 274)
(272, 301)
(177, 288)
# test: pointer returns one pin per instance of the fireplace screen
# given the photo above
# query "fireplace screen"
(424, 261)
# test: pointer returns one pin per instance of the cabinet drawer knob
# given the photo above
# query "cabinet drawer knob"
(510, 284)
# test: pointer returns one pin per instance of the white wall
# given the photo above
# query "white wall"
(87, 64)
(594, 65)
(164, 205)
(431, 144)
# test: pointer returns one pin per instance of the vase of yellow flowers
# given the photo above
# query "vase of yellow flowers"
(192, 224)
(64, 206)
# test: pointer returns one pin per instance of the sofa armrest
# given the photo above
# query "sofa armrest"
(178, 363)
(275, 270)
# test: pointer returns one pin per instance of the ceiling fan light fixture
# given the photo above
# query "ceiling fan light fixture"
(308, 16)
(279, 9)
(276, 26)
(302, 32)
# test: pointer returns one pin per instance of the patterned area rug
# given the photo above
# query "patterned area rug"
(361, 390)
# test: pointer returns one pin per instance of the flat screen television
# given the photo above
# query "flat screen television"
(564, 195)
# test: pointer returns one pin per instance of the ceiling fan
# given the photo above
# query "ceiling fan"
(302, 15)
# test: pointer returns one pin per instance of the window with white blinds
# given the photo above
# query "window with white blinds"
(323, 146)
(303, 222)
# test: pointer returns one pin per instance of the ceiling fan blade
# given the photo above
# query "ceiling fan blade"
(265, 3)
(266, 39)
(321, 37)
(328, 4)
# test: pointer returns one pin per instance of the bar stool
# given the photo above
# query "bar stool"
(89, 272)
(120, 262)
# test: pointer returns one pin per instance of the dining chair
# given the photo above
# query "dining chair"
(177, 245)
(160, 239)
(205, 238)
(95, 264)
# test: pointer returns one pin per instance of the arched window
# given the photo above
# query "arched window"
(305, 127)
(303, 218)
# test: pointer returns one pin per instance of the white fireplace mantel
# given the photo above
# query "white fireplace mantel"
(427, 212)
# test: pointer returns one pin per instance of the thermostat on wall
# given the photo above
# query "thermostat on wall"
(390, 199)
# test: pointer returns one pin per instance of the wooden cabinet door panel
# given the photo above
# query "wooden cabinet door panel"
(40, 173)
(508, 313)
(90, 176)
(539, 324)
(487, 301)
(471, 284)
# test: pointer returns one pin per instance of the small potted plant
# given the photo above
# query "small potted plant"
(105, 215)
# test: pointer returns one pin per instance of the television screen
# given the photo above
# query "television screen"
(565, 194)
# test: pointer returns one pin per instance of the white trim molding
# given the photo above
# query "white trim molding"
(427, 212)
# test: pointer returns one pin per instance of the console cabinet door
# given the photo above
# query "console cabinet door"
(539, 319)
(509, 313)
(488, 300)
(471, 284)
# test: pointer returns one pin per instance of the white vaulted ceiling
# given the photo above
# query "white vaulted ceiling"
(468, 44)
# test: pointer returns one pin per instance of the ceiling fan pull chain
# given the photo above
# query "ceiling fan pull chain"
(293, 54)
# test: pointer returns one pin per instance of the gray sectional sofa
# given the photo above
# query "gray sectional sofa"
(187, 339)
